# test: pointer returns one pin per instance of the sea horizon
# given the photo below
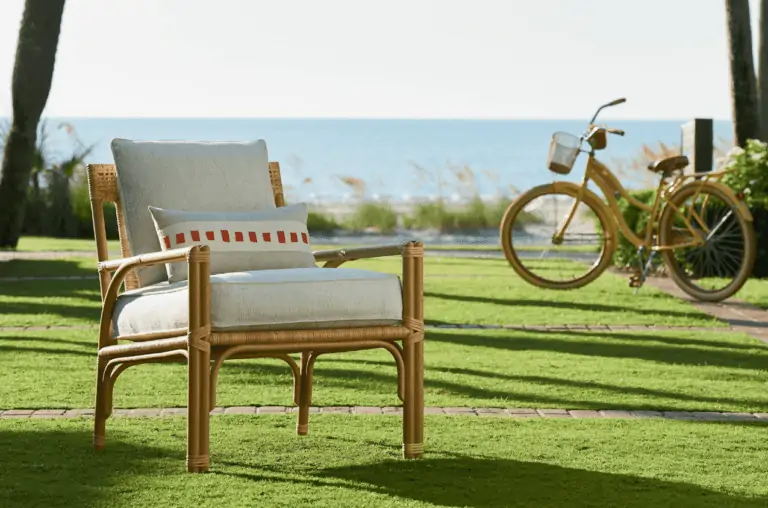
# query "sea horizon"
(505, 155)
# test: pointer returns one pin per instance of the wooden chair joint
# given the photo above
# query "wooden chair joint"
(198, 338)
(413, 250)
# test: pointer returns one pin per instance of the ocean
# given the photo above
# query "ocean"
(315, 154)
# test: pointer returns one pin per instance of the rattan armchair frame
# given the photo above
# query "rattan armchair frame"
(205, 350)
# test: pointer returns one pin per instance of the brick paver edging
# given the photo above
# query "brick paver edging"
(708, 416)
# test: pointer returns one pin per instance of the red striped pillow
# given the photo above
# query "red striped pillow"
(241, 241)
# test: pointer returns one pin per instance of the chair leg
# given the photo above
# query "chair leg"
(205, 410)
(305, 392)
(103, 407)
(198, 413)
(413, 405)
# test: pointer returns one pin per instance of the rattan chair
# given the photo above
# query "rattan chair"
(204, 348)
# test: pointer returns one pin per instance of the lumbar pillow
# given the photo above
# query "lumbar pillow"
(239, 241)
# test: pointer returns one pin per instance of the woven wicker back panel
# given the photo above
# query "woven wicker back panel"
(102, 185)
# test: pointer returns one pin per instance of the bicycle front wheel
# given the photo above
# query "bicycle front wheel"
(539, 254)
(712, 259)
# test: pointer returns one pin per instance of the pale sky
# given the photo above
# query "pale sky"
(381, 59)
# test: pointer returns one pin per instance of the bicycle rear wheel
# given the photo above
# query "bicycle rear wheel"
(528, 238)
(718, 267)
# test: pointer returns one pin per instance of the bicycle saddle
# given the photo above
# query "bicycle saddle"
(669, 164)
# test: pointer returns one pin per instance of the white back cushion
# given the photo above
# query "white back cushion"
(186, 175)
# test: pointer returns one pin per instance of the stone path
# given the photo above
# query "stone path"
(706, 416)
(740, 316)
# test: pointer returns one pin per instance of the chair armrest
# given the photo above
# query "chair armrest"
(336, 257)
(153, 258)
(198, 281)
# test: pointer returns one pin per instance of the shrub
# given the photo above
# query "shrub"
(81, 206)
(636, 220)
(751, 173)
(751, 176)
(318, 223)
(380, 217)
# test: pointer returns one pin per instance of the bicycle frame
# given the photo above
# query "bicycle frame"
(612, 189)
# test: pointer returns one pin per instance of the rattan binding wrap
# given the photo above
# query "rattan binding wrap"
(205, 350)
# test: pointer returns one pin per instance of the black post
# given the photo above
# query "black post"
(697, 142)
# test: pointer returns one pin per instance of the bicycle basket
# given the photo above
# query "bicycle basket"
(563, 150)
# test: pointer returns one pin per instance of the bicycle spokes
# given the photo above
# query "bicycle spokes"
(556, 238)
(710, 241)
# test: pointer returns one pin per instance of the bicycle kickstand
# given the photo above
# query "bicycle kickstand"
(637, 281)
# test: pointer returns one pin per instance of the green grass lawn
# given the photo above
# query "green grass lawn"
(354, 461)
(589, 370)
(475, 291)
(576, 369)
(755, 291)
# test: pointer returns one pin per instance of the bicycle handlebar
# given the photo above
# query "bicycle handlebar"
(608, 105)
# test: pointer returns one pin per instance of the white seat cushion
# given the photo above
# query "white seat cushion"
(269, 299)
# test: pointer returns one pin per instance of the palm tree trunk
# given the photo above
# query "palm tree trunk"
(763, 69)
(745, 104)
(31, 84)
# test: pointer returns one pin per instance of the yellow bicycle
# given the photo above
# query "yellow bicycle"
(562, 235)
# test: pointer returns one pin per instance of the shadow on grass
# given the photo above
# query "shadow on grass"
(490, 482)
(384, 380)
(60, 468)
(543, 304)
(90, 315)
(647, 336)
(23, 341)
(46, 268)
(85, 289)
(32, 344)
(668, 354)
(481, 482)
(570, 403)
(50, 299)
